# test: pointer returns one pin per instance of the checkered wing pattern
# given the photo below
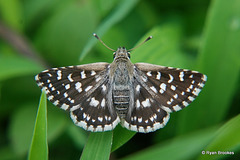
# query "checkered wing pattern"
(173, 88)
(75, 88)
(141, 96)
(159, 91)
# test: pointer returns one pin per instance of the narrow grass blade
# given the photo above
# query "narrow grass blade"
(121, 136)
(39, 146)
(98, 146)
(121, 11)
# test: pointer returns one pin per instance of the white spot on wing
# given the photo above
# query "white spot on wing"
(70, 77)
(56, 102)
(146, 103)
(59, 74)
(103, 102)
(177, 108)
(173, 87)
(190, 98)
(158, 75)
(166, 109)
(78, 87)
(65, 95)
(162, 88)
(196, 91)
(51, 97)
(149, 73)
(83, 75)
(171, 78)
(140, 119)
(67, 86)
(201, 85)
(104, 88)
(100, 119)
(93, 73)
(185, 103)
(65, 106)
(98, 79)
(181, 75)
(138, 104)
(37, 78)
(138, 88)
(88, 88)
(84, 115)
(175, 96)
(94, 102)
(204, 78)
(154, 89)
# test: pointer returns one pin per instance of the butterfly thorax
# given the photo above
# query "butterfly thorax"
(121, 72)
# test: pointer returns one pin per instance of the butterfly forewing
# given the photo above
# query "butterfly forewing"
(68, 86)
(172, 88)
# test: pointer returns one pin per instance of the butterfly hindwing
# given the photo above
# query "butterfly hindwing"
(146, 115)
(172, 88)
(95, 113)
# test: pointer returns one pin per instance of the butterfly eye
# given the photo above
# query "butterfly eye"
(114, 54)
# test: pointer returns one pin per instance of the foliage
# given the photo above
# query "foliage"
(198, 35)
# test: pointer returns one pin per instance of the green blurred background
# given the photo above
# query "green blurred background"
(198, 35)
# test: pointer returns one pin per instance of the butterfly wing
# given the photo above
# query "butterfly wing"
(173, 88)
(82, 90)
(146, 115)
(159, 91)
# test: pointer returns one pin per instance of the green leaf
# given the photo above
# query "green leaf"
(121, 11)
(53, 39)
(78, 135)
(98, 146)
(11, 13)
(183, 147)
(39, 146)
(14, 66)
(17, 130)
(159, 46)
(226, 139)
(219, 60)
(121, 136)
(57, 122)
(6, 152)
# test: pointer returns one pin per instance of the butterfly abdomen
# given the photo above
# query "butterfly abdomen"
(121, 102)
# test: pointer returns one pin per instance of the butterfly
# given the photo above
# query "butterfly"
(139, 96)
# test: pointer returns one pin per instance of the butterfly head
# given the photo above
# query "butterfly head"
(121, 53)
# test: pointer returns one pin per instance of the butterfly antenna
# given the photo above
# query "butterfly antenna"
(95, 35)
(150, 37)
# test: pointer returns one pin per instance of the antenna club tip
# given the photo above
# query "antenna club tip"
(95, 35)
(150, 37)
